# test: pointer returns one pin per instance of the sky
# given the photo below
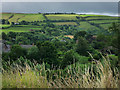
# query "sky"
(59, 0)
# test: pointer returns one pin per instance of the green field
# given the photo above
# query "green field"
(92, 15)
(104, 18)
(85, 26)
(65, 23)
(32, 17)
(62, 17)
(105, 26)
(6, 15)
(24, 28)
(16, 17)
(103, 21)
(4, 25)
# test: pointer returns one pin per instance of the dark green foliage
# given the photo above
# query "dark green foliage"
(12, 23)
(33, 54)
(68, 58)
(101, 42)
(113, 60)
(17, 51)
(99, 45)
(22, 40)
(115, 42)
(24, 22)
(114, 28)
(48, 52)
(12, 34)
(79, 34)
(82, 46)
(4, 36)
(5, 56)
(4, 21)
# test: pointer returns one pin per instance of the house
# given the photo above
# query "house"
(63, 40)
(6, 48)
(16, 23)
(94, 37)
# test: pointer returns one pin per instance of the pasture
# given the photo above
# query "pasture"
(32, 17)
(4, 25)
(16, 17)
(92, 15)
(105, 26)
(6, 15)
(103, 21)
(65, 23)
(24, 28)
(62, 17)
(85, 26)
(102, 18)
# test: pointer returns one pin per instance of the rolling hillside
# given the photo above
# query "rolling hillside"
(82, 22)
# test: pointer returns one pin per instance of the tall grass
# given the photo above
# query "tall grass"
(0, 80)
(102, 76)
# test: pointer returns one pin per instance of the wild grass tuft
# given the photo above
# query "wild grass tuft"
(99, 75)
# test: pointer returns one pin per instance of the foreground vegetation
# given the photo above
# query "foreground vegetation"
(100, 75)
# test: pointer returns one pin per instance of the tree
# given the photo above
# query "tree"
(12, 34)
(12, 23)
(33, 53)
(79, 34)
(17, 51)
(3, 21)
(4, 36)
(68, 58)
(22, 40)
(48, 52)
(24, 22)
(114, 28)
(82, 46)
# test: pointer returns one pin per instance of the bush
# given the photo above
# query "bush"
(70, 57)
(113, 60)
(48, 52)
(17, 51)
(82, 46)
(33, 54)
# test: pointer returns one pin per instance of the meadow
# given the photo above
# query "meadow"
(20, 28)
(85, 26)
(65, 23)
(6, 15)
(62, 17)
(32, 17)
(16, 17)
(103, 21)
(101, 17)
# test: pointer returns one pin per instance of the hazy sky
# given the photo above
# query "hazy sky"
(59, 0)
(104, 8)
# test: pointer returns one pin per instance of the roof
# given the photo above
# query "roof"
(6, 48)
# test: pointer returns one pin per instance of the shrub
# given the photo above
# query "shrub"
(33, 54)
(48, 52)
(17, 51)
